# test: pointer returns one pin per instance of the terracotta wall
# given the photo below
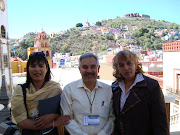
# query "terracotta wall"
(106, 71)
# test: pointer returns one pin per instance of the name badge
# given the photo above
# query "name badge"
(89, 120)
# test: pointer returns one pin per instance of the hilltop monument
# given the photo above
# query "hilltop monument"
(87, 23)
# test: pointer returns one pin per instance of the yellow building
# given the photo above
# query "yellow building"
(41, 44)
(18, 66)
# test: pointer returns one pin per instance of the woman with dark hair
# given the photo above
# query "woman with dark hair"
(138, 101)
(38, 86)
(37, 57)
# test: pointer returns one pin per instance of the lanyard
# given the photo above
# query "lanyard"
(90, 100)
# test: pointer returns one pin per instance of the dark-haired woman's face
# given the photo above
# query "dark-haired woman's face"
(37, 71)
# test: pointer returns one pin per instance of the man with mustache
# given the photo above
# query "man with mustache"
(88, 101)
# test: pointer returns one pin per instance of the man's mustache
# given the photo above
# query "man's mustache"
(88, 74)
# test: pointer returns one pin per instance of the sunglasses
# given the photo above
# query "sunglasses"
(37, 53)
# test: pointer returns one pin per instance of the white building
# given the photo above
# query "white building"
(171, 76)
(5, 64)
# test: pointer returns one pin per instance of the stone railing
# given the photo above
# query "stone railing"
(174, 119)
(174, 92)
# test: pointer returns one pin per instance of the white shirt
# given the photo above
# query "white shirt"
(74, 102)
(124, 95)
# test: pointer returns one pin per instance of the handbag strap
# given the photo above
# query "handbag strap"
(24, 94)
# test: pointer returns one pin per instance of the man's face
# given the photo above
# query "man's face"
(89, 70)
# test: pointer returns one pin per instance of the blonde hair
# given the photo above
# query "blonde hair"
(124, 55)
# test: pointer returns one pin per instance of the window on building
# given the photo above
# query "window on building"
(178, 84)
(41, 44)
(47, 53)
(2, 5)
(3, 32)
(5, 61)
(176, 102)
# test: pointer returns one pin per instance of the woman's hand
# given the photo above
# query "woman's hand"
(62, 120)
(45, 121)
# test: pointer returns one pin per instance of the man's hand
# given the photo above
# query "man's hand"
(62, 120)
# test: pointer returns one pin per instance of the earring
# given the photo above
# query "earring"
(119, 75)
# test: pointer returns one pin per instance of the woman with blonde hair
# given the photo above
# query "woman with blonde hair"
(138, 101)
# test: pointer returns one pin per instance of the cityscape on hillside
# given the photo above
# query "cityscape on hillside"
(157, 47)
(101, 38)
(155, 64)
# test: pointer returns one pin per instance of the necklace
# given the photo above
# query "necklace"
(90, 100)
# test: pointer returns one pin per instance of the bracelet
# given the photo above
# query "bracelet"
(53, 123)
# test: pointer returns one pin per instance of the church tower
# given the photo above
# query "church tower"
(41, 44)
(5, 65)
(87, 23)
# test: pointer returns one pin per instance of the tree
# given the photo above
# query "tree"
(157, 45)
(115, 25)
(21, 52)
(98, 23)
(72, 29)
(79, 25)
(165, 33)
(56, 47)
(171, 26)
(65, 48)
(141, 40)
(91, 36)
(139, 32)
(176, 27)
(109, 36)
(147, 43)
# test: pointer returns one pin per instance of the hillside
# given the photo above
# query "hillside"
(111, 33)
(99, 38)
(78, 41)
(142, 22)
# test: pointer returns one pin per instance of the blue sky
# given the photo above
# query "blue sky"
(54, 15)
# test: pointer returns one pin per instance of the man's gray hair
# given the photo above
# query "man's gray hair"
(88, 55)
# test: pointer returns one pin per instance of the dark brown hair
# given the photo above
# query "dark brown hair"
(37, 56)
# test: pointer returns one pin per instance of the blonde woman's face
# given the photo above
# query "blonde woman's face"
(127, 68)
